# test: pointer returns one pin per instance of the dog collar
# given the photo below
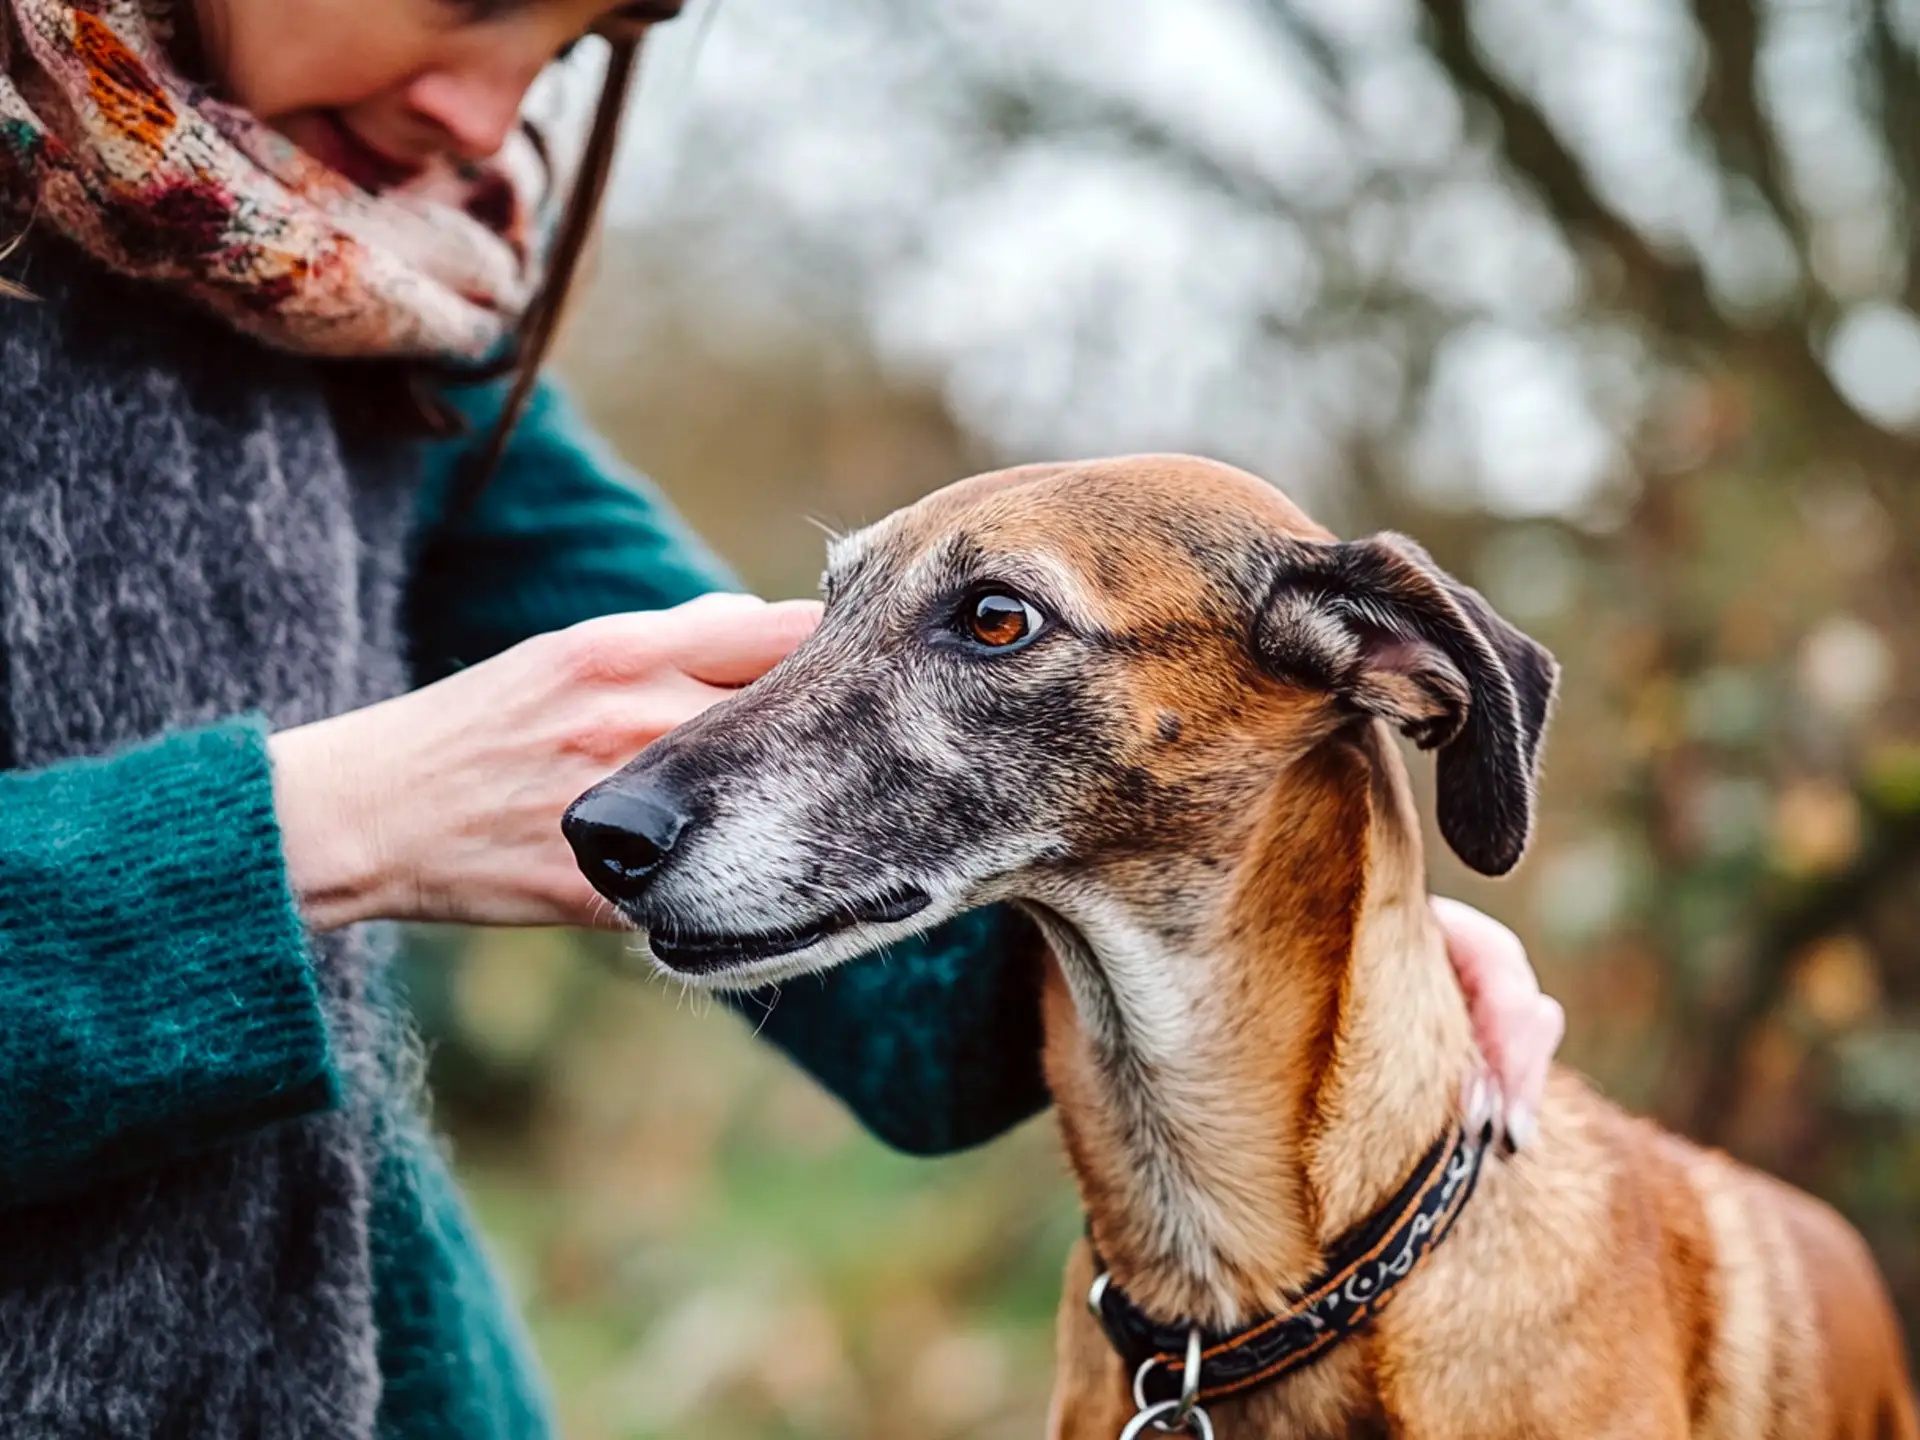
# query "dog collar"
(1178, 1367)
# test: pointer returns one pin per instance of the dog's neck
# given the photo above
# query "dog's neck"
(1235, 1098)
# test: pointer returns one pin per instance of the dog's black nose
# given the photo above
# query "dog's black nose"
(620, 833)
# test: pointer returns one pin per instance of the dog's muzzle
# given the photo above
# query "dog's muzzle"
(629, 831)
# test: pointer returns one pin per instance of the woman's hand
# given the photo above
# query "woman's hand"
(1517, 1027)
(445, 804)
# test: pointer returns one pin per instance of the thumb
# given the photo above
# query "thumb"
(732, 645)
(1488, 958)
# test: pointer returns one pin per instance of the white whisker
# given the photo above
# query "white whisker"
(832, 532)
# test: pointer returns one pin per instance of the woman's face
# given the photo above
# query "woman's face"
(377, 88)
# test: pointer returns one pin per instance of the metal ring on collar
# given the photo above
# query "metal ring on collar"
(1189, 1387)
(1095, 1293)
(1158, 1416)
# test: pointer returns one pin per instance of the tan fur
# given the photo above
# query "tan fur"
(1609, 1281)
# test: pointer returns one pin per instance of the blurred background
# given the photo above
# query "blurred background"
(1612, 303)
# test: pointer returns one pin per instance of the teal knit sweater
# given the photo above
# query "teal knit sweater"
(159, 999)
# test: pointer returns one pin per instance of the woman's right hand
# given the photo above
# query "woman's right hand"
(444, 804)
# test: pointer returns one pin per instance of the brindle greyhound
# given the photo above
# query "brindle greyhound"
(1149, 701)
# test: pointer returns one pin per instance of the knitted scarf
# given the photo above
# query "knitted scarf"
(105, 142)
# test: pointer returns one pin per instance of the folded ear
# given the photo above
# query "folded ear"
(1385, 630)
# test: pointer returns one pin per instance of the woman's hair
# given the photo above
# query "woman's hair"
(9, 290)
(537, 328)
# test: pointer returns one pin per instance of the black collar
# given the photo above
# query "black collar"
(1363, 1267)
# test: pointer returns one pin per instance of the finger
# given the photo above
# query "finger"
(1529, 1035)
(1501, 991)
(733, 646)
(1516, 1027)
(634, 645)
(1481, 1105)
(725, 638)
(672, 701)
(1532, 1058)
(591, 736)
(1488, 958)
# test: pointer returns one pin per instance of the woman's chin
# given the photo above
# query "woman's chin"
(331, 140)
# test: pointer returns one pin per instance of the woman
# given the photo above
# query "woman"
(261, 680)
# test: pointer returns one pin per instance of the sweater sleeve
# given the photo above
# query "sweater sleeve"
(154, 978)
(935, 1043)
(565, 531)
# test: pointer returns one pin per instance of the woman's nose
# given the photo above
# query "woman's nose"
(476, 110)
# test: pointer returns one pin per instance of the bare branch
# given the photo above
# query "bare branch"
(1669, 292)
(1670, 287)
(1894, 101)
(1729, 113)
(1330, 77)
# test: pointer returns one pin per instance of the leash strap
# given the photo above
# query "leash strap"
(1365, 1265)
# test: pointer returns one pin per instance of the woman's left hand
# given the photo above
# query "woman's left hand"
(1517, 1027)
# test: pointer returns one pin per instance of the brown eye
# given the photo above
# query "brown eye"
(1001, 622)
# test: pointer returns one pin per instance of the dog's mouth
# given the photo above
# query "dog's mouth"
(699, 952)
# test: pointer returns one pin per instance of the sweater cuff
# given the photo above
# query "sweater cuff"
(158, 949)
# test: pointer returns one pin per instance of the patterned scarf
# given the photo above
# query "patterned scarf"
(102, 140)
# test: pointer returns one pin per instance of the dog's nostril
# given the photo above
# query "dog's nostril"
(620, 836)
(627, 857)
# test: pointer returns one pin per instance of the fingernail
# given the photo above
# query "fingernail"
(1522, 1128)
(1483, 1105)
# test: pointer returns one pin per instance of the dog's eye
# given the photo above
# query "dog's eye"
(1001, 622)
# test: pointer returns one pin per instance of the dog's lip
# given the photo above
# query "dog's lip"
(693, 952)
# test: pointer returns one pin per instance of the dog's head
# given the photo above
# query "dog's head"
(1034, 679)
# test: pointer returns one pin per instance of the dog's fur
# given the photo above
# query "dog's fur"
(1252, 1029)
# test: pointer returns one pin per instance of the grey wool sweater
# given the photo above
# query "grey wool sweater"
(184, 538)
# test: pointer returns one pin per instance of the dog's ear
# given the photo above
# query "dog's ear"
(1390, 634)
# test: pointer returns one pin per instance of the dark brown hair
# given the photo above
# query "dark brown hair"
(537, 327)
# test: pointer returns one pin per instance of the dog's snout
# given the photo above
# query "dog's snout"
(621, 833)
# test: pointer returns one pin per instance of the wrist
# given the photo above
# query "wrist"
(325, 797)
